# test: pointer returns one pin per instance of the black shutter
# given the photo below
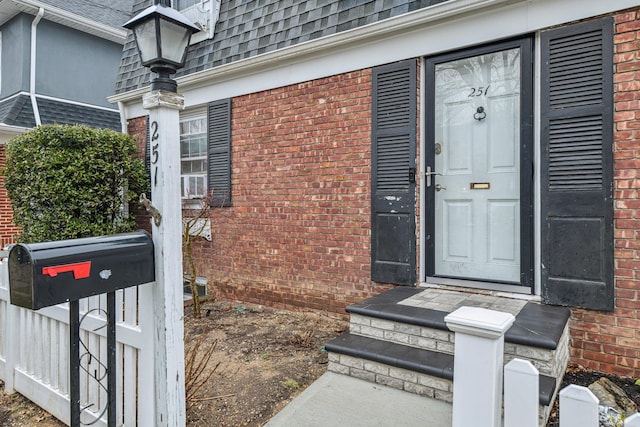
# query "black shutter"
(219, 145)
(577, 165)
(393, 227)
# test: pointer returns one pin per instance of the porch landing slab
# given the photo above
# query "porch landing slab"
(340, 400)
(449, 301)
(536, 324)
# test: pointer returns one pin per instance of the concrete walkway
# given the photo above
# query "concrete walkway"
(339, 400)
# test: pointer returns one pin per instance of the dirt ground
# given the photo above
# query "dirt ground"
(262, 359)
(249, 362)
(16, 411)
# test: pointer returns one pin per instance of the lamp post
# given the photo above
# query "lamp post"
(162, 35)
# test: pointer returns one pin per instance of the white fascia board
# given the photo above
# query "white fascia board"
(69, 19)
(7, 132)
(447, 26)
(72, 102)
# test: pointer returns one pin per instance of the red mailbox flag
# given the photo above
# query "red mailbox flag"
(81, 270)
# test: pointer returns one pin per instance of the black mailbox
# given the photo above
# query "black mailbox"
(50, 273)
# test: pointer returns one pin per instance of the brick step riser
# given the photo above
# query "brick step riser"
(548, 362)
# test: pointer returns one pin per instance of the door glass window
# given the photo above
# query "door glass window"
(477, 152)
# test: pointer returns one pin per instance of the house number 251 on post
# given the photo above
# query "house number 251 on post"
(154, 151)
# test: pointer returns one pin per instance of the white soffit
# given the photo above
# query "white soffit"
(10, 8)
(7, 132)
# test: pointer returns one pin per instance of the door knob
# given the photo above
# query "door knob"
(429, 173)
(439, 187)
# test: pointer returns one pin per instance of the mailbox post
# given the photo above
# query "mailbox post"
(164, 108)
(162, 35)
(50, 273)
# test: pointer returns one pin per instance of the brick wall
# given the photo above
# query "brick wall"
(8, 230)
(611, 341)
(298, 234)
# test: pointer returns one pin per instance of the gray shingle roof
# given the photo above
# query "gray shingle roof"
(70, 114)
(248, 28)
(17, 112)
(112, 12)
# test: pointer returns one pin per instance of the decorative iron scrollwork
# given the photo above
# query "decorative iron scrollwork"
(96, 370)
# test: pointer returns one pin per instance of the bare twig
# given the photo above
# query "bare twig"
(196, 362)
(305, 338)
(204, 399)
(193, 227)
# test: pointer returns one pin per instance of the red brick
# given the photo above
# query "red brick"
(622, 39)
(627, 86)
(628, 66)
(620, 351)
(609, 359)
(8, 230)
(617, 331)
(628, 342)
(625, 17)
(632, 25)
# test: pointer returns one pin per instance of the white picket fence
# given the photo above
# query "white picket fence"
(578, 405)
(34, 355)
(478, 392)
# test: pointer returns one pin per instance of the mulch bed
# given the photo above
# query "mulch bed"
(579, 375)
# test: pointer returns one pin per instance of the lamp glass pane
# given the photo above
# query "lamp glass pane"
(174, 39)
(146, 39)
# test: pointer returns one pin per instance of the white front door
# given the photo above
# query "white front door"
(475, 178)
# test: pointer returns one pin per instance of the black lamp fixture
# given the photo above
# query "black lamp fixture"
(162, 35)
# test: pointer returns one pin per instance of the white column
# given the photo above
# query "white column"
(477, 375)
(164, 118)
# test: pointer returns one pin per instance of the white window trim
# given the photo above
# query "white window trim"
(205, 16)
(194, 114)
(0, 61)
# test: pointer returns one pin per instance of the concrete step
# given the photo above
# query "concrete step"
(400, 339)
(539, 334)
(416, 370)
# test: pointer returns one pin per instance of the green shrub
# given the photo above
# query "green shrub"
(68, 182)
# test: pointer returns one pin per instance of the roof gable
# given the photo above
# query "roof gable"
(249, 28)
